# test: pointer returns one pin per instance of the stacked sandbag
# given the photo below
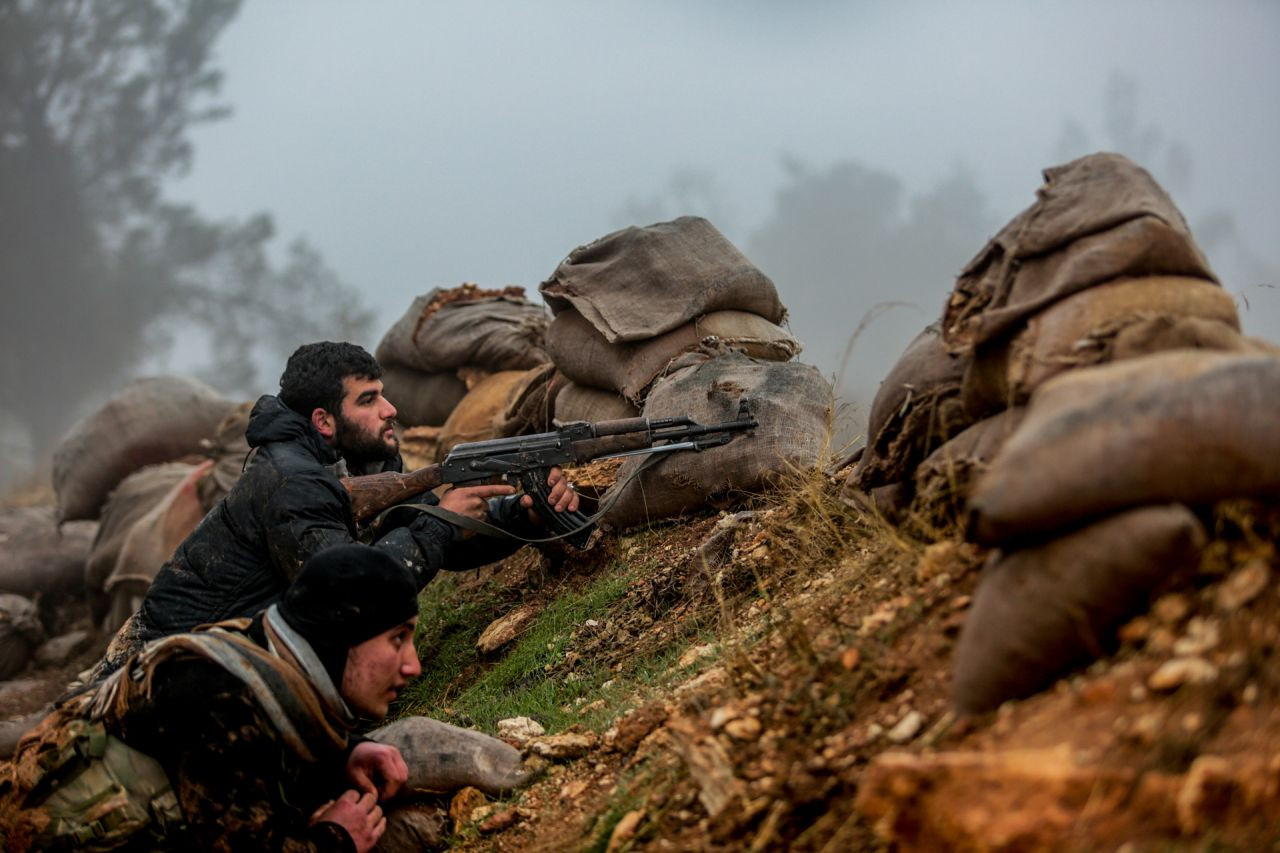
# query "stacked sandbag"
(40, 558)
(446, 331)
(630, 303)
(152, 420)
(916, 410)
(791, 402)
(20, 633)
(506, 403)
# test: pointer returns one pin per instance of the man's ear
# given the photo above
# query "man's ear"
(325, 423)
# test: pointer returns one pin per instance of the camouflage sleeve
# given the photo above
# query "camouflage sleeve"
(238, 787)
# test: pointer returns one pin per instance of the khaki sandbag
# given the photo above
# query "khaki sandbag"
(533, 403)
(636, 283)
(37, 557)
(442, 757)
(1041, 611)
(1095, 219)
(20, 633)
(419, 447)
(583, 354)
(916, 409)
(481, 414)
(153, 420)
(944, 478)
(1188, 425)
(581, 403)
(789, 400)
(153, 538)
(421, 399)
(466, 326)
(229, 450)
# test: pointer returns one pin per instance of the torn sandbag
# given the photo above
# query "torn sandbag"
(791, 402)
(20, 633)
(629, 368)
(1095, 219)
(39, 557)
(916, 409)
(481, 414)
(636, 283)
(159, 419)
(467, 326)
(153, 537)
(944, 478)
(1188, 425)
(1041, 611)
(581, 403)
(421, 399)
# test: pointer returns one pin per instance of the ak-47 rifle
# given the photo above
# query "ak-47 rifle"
(526, 460)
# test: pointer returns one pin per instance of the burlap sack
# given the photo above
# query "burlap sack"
(137, 495)
(636, 283)
(149, 421)
(581, 403)
(152, 539)
(1044, 610)
(944, 478)
(229, 450)
(466, 326)
(1109, 322)
(482, 413)
(1095, 219)
(37, 558)
(1188, 426)
(917, 408)
(789, 400)
(20, 633)
(583, 354)
(533, 404)
(421, 399)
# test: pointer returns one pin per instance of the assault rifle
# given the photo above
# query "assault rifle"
(526, 460)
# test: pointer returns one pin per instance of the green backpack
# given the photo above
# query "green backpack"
(99, 793)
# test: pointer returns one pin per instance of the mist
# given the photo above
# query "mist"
(859, 153)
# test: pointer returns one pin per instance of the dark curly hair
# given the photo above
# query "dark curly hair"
(312, 378)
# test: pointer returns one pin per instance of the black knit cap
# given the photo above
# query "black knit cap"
(345, 595)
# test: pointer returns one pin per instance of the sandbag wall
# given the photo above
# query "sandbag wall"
(1112, 402)
(671, 319)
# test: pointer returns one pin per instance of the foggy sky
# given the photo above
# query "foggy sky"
(422, 144)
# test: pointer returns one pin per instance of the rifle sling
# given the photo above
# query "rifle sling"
(484, 528)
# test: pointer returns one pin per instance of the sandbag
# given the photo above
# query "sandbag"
(583, 354)
(466, 326)
(1188, 426)
(20, 633)
(39, 557)
(636, 283)
(1108, 322)
(532, 405)
(481, 414)
(789, 400)
(153, 538)
(1041, 611)
(944, 478)
(136, 495)
(422, 399)
(581, 403)
(917, 408)
(443, 758)
(229, 450)
(152, 420)
(1095, 219)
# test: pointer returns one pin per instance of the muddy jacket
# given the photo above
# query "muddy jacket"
(289, 504)
(251, 735)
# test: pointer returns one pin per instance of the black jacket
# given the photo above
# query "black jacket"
(286, 506)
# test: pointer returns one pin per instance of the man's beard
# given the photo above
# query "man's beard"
(361, 448)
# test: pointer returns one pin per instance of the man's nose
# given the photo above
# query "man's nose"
(411, 667)
(388, 410)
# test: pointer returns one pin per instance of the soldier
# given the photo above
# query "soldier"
(236, 736)
(330, 419)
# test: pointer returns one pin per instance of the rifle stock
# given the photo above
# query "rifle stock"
(372, 493)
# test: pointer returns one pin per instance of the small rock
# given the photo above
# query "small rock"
(59, 650)
(1175, 673)
(464, 804)
(1243, 585)
(874, 731)
(1135, 630)
(505, 629)
(628, 732)
(907, 728)
(850, 658)
(694, 654)
(562, 747)
(883, 616)
(590, 707)
(1171, 609)
(573, 790)
(520, 729)
(1250, 694)
(1202, 635)
(499, 821)
(743, 728)
(624, 831)
(720, 716)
